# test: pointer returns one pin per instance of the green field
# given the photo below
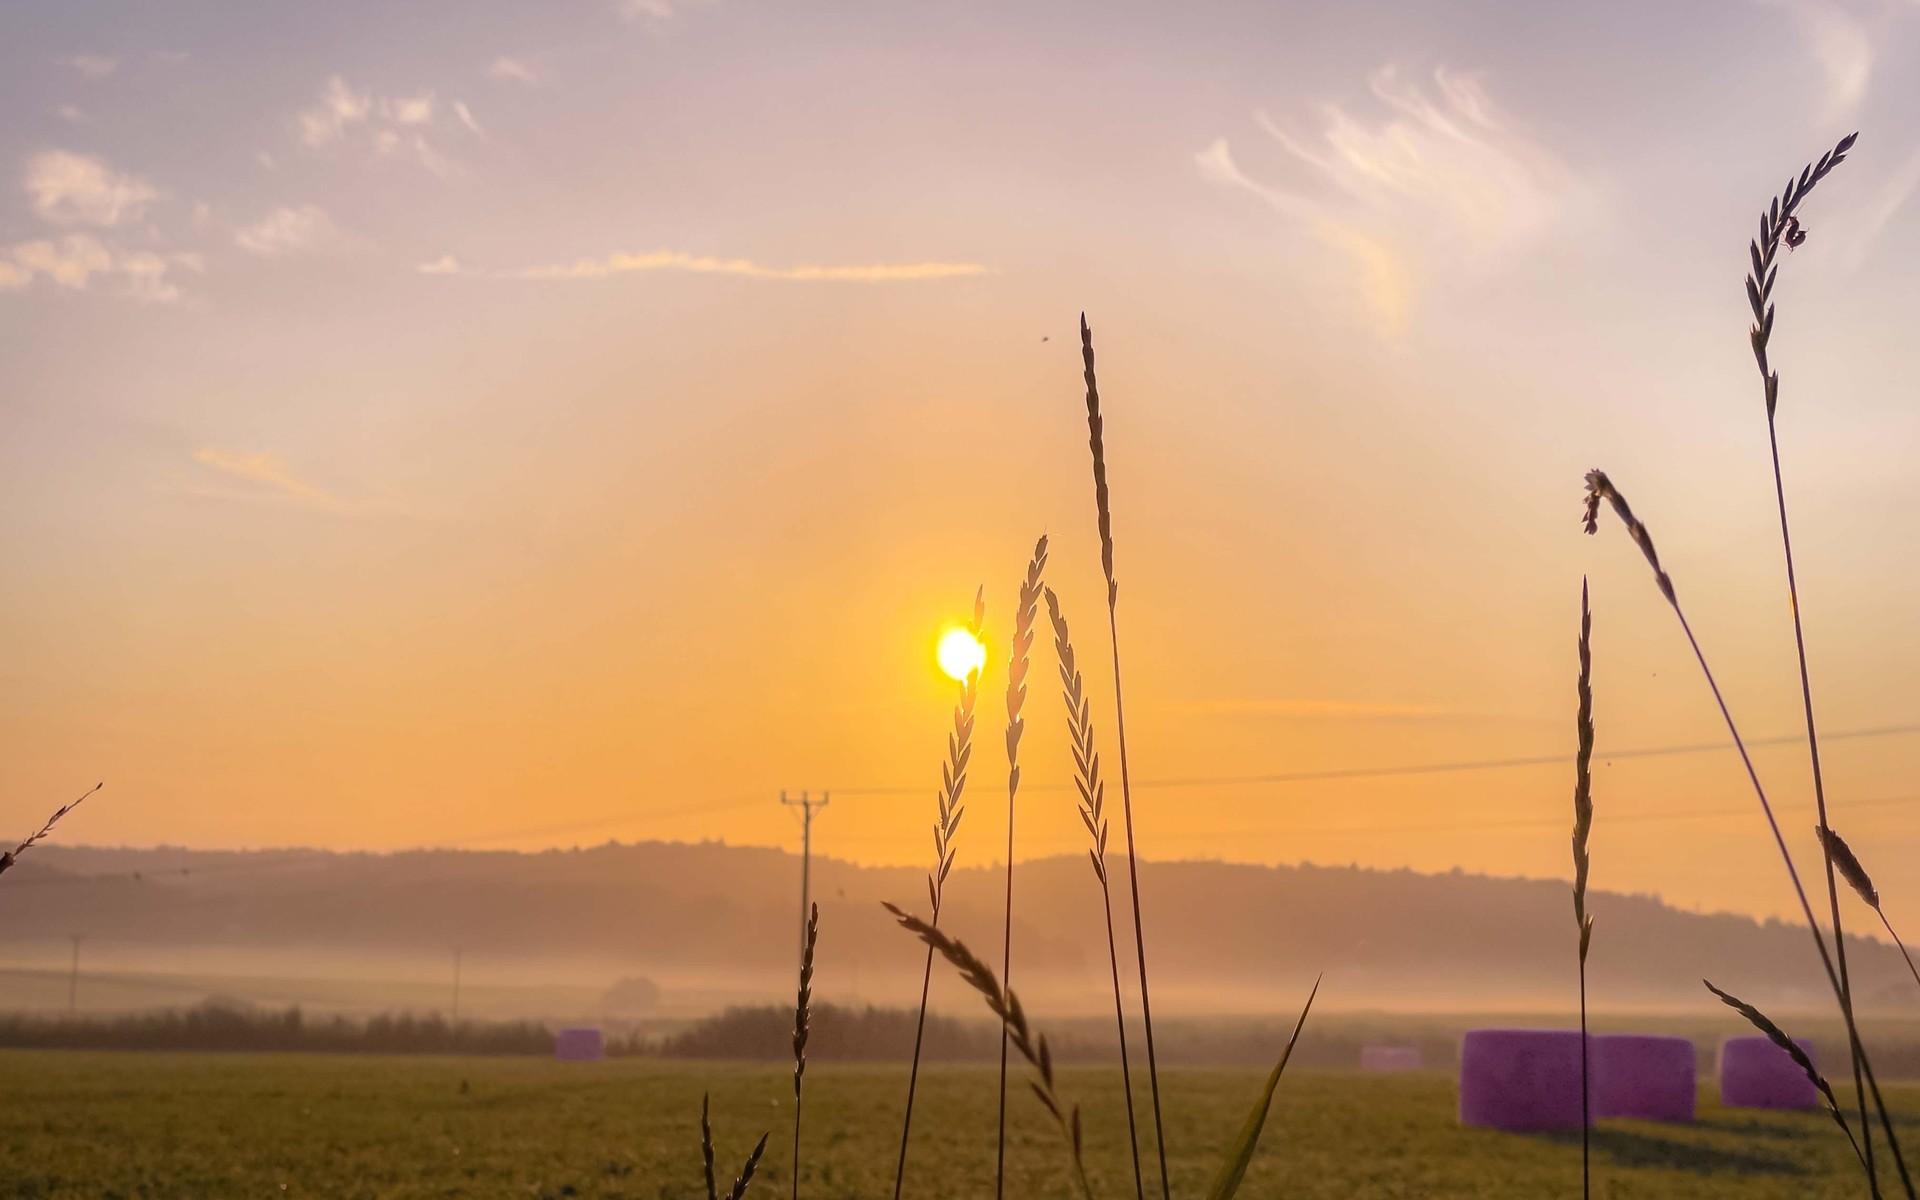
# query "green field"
(206, 1125)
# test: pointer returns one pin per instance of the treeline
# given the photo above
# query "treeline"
(835, 1033)
(222, 1027)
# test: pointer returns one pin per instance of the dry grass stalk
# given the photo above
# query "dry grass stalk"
(1600, 488)
(1096, 439)
(1582, 830)
(1019, 659)
(1777, 222)
(1848, 864)
(745, 1177)
(1778, 1037)
(706, 1145)
(1093, 797)
(953, 783)
(802, 1006)
(1031, 1045)
(1763, 250)
(8, 858)
(746, 1172)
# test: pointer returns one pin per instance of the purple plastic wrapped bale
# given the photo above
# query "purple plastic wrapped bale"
(1755, 1073)
(1390, 1059)
(1525, 1080)
(579, 1045)
(1649, 1077)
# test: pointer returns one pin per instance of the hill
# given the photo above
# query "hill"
(714, 924)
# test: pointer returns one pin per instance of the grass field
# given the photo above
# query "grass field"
(127, 1125)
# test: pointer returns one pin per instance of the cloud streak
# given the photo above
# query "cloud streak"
(1436, 176)
(743, 268)
(267, 475)
(305, 229)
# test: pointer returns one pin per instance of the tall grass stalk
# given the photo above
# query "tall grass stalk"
(1582, 829)
(741, 1181)
(1600, 490)
(8, 858)
(1093, 800)
(1032, 1046)
(1096, 439)
(1848, 864)
(802, 1008)
(953, 783)
(1778, 1037)
(1763, 253)
(1019, 658)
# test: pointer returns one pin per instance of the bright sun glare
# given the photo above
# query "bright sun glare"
(961, 653)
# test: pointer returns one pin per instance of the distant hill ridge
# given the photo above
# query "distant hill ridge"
(1224, 936)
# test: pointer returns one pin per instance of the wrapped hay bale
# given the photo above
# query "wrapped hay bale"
(579, 1045)
(1647, 1076)
(1755, 1073)
(1390, 1059)
(1525, 1080)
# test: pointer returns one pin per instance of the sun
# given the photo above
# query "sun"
(961, 654)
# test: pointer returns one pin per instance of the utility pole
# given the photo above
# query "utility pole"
(807, 806)
(457, 952)
(73, 978)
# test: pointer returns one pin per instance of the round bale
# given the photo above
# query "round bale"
(1525, 1080)
(1642, 1075)
(1755, 1073)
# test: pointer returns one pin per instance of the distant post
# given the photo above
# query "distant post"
(807, 807)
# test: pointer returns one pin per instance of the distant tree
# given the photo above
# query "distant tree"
(633, 994)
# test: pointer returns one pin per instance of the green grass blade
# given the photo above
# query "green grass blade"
(1240, 1153)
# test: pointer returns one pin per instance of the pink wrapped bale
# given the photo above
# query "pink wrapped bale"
(1391, 1059)
(1649, 1077)
(579, 1045)
(1755, 1073)
(1524, 1080)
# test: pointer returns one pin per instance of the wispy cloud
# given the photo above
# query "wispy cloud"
(388, 126)
(1842, 46)
(446, 264)
(511, 70)
(466, 118)
(674, 260)
(1438, 170)
(304, 229)
(66, 188)
(77, 260)
(93, 66)
(267, 477)
(339, 109)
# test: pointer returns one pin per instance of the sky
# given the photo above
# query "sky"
(503, 425)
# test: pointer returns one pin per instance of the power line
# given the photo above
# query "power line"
(1431, 768)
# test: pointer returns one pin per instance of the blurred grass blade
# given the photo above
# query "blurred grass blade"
(1240, 1153)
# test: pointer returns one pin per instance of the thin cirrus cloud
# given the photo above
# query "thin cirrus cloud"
(389, 126)
(1434, 165)
(511, 70)
(304, 229)
(93, 66)
(266, 477)
(66, 188)
(698, 264)
(1840, 44)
